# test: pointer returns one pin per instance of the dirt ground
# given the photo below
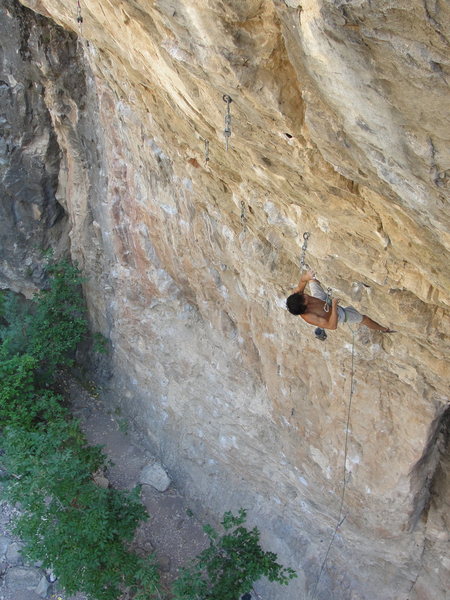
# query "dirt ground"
(172, 531)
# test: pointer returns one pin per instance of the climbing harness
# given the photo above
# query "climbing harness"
(79, 17)
(341, 518)
(227, 130)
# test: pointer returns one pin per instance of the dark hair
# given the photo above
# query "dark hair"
(296, 304)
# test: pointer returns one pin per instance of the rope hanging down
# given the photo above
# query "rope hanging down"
(340, 518)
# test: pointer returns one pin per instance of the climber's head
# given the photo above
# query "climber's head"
(296, 304)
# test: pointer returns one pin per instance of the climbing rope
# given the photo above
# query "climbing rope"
(227, 129)
(340, 518)
(321, 334)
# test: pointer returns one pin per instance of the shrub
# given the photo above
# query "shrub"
(230, 566)
(17, 390)
(74, 527)
(69, 523)
(58, 322)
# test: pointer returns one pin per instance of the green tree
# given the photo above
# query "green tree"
(67, 522)
(231, 565)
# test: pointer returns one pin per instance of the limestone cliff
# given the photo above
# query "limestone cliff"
(340, 125)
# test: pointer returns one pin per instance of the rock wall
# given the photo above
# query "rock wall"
(340, 127)
(31, 217)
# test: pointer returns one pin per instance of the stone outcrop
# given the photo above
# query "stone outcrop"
(32, 220)
(339, 126)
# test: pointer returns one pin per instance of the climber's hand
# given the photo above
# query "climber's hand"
(308, 276)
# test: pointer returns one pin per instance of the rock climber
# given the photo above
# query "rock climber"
(312, 308)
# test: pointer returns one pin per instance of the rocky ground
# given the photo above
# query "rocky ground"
(172, 531)
(18, 579)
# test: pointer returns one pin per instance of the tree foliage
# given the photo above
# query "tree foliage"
(78, 529)
(231, 564)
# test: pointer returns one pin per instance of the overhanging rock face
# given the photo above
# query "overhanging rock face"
(340, 127)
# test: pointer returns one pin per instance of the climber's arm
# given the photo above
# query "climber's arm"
(308, 276)
(333, 320)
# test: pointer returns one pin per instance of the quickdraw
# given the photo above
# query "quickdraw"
(328, 298)
(304, 265)
(227, 130)
(79, 17)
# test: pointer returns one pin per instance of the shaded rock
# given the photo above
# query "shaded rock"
(23, 578)
(42, 587)
(13, 555)
(155, 476)
(29, 160)
(4, 543)
(164, 563)
(3, 567)
(100, 480)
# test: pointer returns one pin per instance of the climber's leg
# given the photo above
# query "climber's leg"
(368, 322)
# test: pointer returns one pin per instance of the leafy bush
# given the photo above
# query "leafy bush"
(69, 523)
(59, 320)
(230, 566)
(73, 526)
(17, 374)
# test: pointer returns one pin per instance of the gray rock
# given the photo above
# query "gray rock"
(4, 543)
(164, 563)
(21, 595)
(23, 578)
(13, 555)
(100, 480)
(42, 587)
(30, 214)
(3, 568)
(155, 476)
